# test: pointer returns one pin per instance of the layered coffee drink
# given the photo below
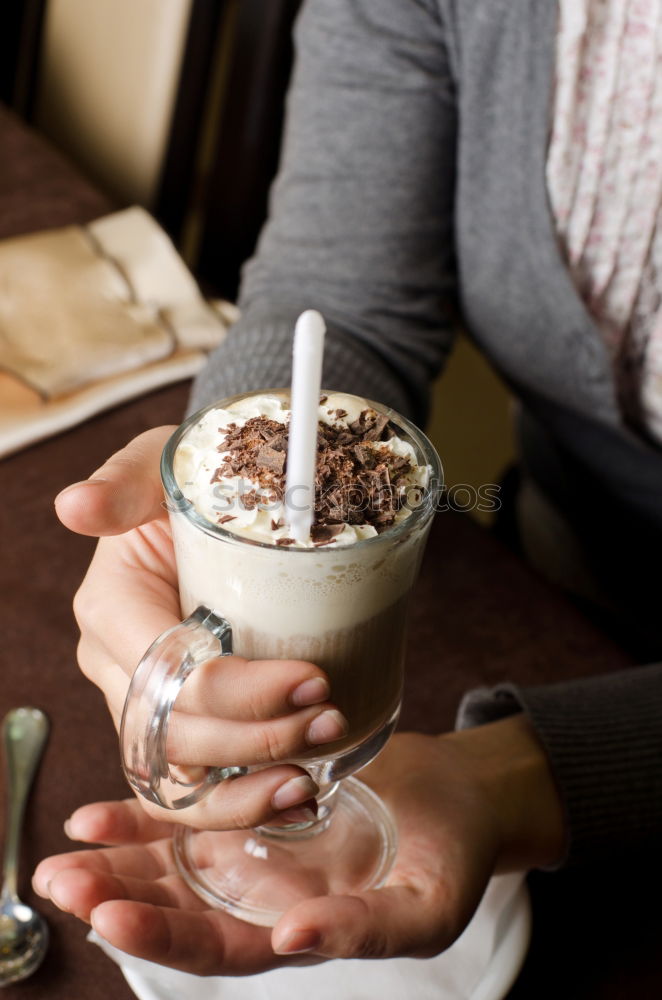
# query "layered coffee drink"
(260, 578)
(338, 599)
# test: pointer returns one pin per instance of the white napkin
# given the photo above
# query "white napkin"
(481, 965)
(91, 316)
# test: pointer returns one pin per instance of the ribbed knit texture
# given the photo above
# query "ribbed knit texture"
(603, 737)
(260, 357)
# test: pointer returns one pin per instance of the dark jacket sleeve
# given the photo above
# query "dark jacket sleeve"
(603, 737)
(361, 213)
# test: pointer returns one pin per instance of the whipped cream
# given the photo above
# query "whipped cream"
(248, 504)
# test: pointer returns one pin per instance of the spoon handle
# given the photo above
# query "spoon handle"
(24, 732)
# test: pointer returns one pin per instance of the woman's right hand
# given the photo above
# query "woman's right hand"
(255, 712)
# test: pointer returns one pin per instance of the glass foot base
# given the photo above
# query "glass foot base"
(258, 874)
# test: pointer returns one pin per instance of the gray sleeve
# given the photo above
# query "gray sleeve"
(603, 737)
(361, 214)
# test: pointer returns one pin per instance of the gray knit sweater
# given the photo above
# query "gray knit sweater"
(413, 182)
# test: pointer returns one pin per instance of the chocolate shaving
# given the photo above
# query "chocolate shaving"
(376, 426)
(285, 541)
(250, 500)
(271, 459)
(324, 533)
(355, 483)
(224, 518)
(362, 455)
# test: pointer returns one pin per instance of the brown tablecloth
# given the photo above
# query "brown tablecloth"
(39, 188)
(478, 616)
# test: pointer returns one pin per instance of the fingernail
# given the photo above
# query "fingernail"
(310, 692)
(37, 888)
(298, 941)
(327, 727)
(68, 829)
(53, 897)
(83, 482)
(294, 792)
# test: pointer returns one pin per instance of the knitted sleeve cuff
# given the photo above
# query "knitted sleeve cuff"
(258, 355)
(603, 737)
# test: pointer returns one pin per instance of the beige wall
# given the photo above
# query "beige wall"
(470, 424)
(109, 71)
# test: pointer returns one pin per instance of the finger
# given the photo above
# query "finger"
(384, 923)
(162, 921)
(283, 792)
(205, 943)
(221, 740)
(198, 740)
(124, 492)
(232, 687)
(124, 822)
(244, 802)
(228, 687)
(148, 862)
(79, 890)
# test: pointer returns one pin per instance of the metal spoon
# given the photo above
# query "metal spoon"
(23, 932)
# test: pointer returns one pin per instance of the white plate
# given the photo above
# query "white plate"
(482, 965)
(510, 951)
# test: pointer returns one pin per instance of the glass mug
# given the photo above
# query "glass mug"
(343, 608)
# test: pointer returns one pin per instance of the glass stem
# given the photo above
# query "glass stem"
(326, 801)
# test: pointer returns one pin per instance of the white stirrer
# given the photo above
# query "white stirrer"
(307, 356)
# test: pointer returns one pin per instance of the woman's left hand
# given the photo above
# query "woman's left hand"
(466, 804)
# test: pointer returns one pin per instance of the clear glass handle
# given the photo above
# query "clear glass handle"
(152, 694)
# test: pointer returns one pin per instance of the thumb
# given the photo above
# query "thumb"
(124, 492)
(383, 923)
